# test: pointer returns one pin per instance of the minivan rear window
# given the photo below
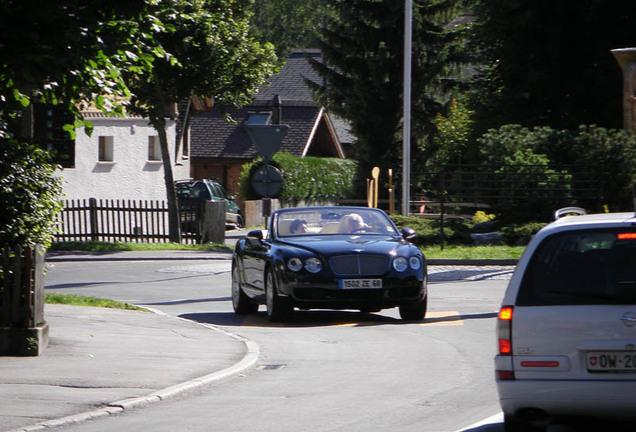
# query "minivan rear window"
(582, 268)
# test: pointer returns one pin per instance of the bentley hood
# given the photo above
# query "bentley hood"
(346, 244)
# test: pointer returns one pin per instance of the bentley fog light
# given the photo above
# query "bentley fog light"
(400, 264)
(415, 263)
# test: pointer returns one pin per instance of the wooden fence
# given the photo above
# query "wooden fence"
(22, 287)
(125, 221)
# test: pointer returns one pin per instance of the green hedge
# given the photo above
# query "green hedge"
(305, 178)
(30, 194)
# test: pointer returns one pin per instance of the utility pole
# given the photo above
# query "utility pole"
(406, 135)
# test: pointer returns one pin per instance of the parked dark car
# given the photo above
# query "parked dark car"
(210, 190)
(329, 258)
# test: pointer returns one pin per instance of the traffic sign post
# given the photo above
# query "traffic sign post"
(267, 139)
(267, 181)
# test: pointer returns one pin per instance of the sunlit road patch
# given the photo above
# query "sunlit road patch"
(339, 319)
(447, 318)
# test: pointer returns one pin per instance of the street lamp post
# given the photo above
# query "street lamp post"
(406, 135)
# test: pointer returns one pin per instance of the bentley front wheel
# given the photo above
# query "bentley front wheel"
(278, 307)
(240, 302)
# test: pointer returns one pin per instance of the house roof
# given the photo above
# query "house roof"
(289, 83)
(214, 137)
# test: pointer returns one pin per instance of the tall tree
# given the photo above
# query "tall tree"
(288, 24)
(363, 47)
(67, 51)
(549, 62)
(58, 53)
(211, 55)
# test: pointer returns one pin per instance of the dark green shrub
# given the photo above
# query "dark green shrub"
(519, 235)
(307, 178)
(457, 231)
(522, 179)
(609, 152)
(30, 195)
(427, 231)
(533, 181)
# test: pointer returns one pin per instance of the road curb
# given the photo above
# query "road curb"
(70, 256)
(471, 262)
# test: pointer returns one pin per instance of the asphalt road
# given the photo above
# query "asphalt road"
(327, 370)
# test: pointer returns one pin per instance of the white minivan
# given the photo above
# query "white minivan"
(567, 325)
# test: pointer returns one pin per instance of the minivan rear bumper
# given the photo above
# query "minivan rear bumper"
(562, 398)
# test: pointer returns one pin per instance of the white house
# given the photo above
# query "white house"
(122, 159)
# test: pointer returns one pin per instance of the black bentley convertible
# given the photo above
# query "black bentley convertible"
(329, 258)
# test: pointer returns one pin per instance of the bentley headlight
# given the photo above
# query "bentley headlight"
(415, 262)
(295, 264)
(313, 265)
(400, 264)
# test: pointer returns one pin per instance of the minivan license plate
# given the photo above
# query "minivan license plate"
(611, 361)
(360, 283)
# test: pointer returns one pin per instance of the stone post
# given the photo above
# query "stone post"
(213, 222)
(626, 58)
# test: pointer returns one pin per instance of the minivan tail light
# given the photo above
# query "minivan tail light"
(627, 236)
(504, 330)
(504, 368)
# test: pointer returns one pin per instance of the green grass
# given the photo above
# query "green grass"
(75, 300)
(130, 246)
(473, 252)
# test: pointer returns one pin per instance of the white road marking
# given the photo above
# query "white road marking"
(497, 418)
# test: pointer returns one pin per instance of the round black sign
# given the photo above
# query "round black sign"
(267, 181)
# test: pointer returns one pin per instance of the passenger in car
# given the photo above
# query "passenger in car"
(351, 223)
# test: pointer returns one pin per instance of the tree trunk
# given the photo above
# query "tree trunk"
(174, 228)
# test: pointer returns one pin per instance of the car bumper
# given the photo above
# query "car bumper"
(232, 217)
(328, 295)
(562, 398)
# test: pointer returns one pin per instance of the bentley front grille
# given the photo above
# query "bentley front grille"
(358, 265)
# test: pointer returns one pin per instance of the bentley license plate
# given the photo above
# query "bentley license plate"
(360, 283)
(611, 361)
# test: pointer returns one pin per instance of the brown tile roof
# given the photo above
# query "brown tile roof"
(213, 137)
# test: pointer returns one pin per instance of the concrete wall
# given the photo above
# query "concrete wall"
(254, 212)
(130, 175)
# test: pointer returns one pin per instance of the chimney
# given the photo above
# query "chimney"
(277, 103)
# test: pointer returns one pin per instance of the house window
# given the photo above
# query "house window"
(106, 149)
(258, 118)
(154, 150)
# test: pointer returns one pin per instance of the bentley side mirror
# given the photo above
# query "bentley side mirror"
(255, 234)
(408, 233)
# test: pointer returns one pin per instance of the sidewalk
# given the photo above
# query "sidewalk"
(101, 362)
(104, 361)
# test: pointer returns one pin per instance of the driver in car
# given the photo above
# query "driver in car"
(298, 226)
